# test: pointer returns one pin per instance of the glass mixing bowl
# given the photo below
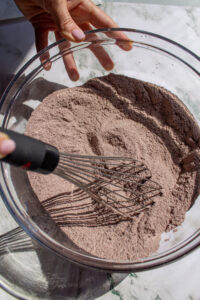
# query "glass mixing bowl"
(154, 59)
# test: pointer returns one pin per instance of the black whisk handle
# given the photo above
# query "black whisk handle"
(31, 154)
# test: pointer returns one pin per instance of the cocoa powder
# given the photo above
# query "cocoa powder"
(119, 116)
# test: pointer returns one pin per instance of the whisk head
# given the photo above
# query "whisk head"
(119, 185)
(15, 240)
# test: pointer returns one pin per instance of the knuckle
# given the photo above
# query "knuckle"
(50, 5)
(67, 22)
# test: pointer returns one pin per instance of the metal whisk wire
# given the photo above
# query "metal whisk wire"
(120, 184)
(77, 209)
(15, 240)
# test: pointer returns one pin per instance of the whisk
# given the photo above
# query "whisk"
(16, 240)
(120, 185)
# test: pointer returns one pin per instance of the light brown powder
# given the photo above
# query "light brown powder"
(120, 116)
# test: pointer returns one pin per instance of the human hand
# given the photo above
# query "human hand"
(69, 19)
(6, 145)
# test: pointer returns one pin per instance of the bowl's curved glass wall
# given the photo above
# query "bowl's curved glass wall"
(153, 59)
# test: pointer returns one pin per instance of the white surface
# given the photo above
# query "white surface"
(161, 2)
(180, 280)
(6, 296)
(8, 8)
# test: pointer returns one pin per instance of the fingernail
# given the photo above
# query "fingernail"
(47, 66)
(127, 46)
(109, 66)
(7, 146)
(68, 36)
(78, 34)
(74, 75)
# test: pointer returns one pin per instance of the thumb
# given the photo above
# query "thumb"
(65, 24)
(6, 145)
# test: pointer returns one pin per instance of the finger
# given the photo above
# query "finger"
(6, 145)
(100, 19)
(98, 50)
(41, 42)
(65, 24)
(68, 59)
(44, 21)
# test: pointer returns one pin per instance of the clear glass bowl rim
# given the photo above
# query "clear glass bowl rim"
(89, 261)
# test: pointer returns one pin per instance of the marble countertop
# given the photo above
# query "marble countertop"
(8, 9)
(178, 280)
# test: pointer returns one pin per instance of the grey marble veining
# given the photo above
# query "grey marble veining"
(162, 2)
(8, 9)
(179, 280)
